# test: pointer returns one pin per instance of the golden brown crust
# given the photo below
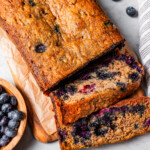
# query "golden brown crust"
(82, 38)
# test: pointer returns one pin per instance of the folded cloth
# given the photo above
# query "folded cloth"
(144, 33)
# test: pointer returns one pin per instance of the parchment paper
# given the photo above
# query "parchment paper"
(40, 105)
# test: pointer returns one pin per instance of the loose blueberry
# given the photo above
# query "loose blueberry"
(134, 77)
(10, 133)
(40, 48)
(6, 108)
(4, 121)
(4, 98)
(17, 115)
(131, 11)
(13, 124)
(31, 3)
(13, 101)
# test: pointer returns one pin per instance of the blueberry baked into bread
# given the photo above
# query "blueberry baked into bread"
(100, 85)
(58, 37)
(117, 123)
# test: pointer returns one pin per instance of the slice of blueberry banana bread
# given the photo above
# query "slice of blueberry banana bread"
(58, 37)
(118, 123)
(102, 84)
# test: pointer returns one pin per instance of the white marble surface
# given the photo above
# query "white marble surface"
(129, 29)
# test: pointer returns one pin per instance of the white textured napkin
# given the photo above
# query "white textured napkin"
(144, 31)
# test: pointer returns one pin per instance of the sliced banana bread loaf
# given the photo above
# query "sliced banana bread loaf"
(118, 123)
(102, 84)
(57, 37)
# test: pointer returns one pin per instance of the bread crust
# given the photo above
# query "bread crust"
(72, 45)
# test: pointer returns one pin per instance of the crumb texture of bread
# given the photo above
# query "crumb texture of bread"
(120, 122)
(100, 85)
(58, 37)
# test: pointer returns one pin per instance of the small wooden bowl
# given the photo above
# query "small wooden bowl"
(12, 90)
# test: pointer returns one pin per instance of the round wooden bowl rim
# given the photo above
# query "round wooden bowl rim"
(21, 106)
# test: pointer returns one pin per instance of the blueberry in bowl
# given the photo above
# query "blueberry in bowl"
(13, 115)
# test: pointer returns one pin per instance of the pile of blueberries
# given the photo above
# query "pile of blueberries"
(10, 117)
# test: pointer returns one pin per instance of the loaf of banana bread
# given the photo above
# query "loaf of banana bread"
(100, 85)
(118, 123)
(58, 37)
